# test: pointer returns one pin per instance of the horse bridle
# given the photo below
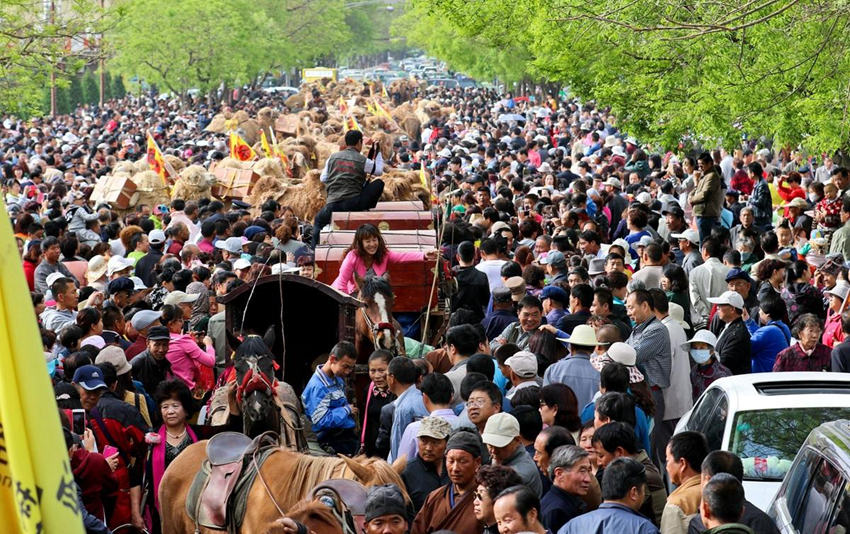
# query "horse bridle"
(373, 326)
(255, 380)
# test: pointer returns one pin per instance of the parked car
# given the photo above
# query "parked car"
(815, 496)
(764, 418)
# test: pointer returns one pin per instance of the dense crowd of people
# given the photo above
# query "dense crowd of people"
(601, 288)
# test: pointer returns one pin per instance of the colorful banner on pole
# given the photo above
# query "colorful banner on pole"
(239, 149)
(37, 489)
(156, 162)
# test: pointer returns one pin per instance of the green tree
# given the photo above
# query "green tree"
(188, 44)
(107, 86)
(702, 72)
(33, 44)
(75, 91)
(118, 89)
(91, 87)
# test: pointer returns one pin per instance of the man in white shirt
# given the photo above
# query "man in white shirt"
(490, 263)
(707, 280)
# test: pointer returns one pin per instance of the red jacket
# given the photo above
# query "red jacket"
(29, 272)
(96, 480)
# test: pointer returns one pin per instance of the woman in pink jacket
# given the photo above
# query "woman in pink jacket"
(369, 254)
(185, 355)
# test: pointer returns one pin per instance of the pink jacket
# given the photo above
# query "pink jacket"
(353, 264)
(832, 333)
(182, 352)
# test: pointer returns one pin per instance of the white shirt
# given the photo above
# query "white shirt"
(707, 280)
(678, 397)
(493, 270)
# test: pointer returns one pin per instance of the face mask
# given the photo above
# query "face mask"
(700, 355)
(813, 197)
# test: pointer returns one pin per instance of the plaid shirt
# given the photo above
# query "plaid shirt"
(794, 359)
(651, 341)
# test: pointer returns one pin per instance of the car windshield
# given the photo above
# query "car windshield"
(768, 440)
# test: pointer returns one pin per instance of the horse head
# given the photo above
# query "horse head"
(376, 293)
(256, 384)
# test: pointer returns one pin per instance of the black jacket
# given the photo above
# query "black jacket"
(571, 320)
(420, 479)
(146, 264)
(149, 371)
(754, 518)
(473, 291)
(733, 346)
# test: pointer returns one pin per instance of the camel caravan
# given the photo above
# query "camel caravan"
(306, 134)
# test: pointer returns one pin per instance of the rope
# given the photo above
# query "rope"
(433, 282)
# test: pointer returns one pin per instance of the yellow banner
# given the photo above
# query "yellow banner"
(37, 490)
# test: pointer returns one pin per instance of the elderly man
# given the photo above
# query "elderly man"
(733, 338)
(747, 221)
(623, 493)
(450, 507)
(738, 280)
(707, 280)
(545, 444)
(386, 511)
(425, 472)
(651, 341)
(572, 476)
(556, 266)
(142, 322)
(518, 333)
(501, 435)
(151, 367)
(517, 510)
(575, 369)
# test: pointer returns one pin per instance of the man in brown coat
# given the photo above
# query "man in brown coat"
(450, 507)
(707, 197)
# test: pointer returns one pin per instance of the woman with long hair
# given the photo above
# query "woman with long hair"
(559, 407)
(674, 282)
(90, 322)
(799, 294)
(369, 255)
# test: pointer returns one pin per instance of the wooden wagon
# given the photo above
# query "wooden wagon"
(309, 317)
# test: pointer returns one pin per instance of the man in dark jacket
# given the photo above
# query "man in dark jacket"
(150, 367)
(707, 196)
(426, 472)
(473, 288)
(722, 505)
(726, 462)
(145, 265)
(346, 181)
(733, 338)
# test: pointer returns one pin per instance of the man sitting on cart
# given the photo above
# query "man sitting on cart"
(346, 177)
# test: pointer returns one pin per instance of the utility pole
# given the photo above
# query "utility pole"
(52, 19)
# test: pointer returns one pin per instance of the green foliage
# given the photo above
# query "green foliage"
(75, 92)
(118, 89)
(671, 70)
(91, 87)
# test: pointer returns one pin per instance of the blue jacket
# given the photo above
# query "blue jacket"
(641, 422)
(762, 204)
(609, 517)
(325, 403)
(766, 342)
(408, 408)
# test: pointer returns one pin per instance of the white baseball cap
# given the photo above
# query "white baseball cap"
(240, 264)
(117, 264)
(731, 298)
(500, 430)
(179, 297)
(523, 363)
(689, 234)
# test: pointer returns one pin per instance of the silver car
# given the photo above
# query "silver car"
(815, 496)
(764, 418)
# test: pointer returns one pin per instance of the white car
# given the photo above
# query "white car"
(764, 418)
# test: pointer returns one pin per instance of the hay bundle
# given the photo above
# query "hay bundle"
(267, 187)
(150, 188)
(296, 102)
(125, 167)
(404, 185)
(270, 167)
(194, 183)
(176, 163)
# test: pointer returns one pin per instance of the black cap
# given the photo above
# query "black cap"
(465, 440)
(240, 205)
(384, 500)
(120, 284)
(158, 333)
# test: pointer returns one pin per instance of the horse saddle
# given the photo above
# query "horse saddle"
(217, 497)
(347, 501)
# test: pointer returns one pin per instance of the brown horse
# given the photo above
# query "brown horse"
(375, 327)
(316, 516)
(285, 478)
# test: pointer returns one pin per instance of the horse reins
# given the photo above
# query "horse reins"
(255, 380)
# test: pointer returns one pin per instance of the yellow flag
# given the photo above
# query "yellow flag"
(239, 149)
(37, 491)
(266, 148)
(384, 91)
